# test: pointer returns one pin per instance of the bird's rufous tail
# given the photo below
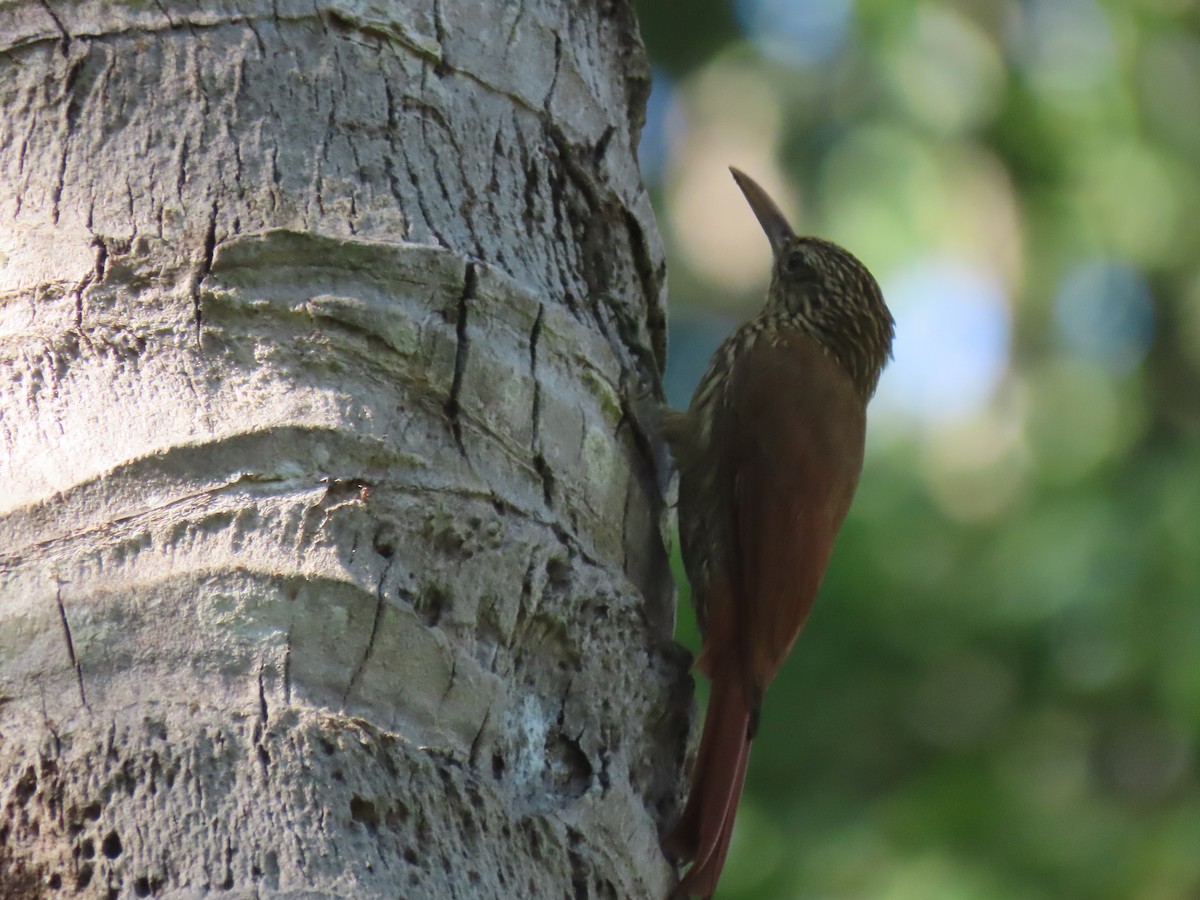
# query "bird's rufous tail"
(702, 834)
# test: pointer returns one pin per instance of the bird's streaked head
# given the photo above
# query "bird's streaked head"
(824, 289)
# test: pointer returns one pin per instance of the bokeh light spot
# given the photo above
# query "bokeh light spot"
(1144, 759)
(952, 341)
(947, 71)
(977, 467)
(797, 32)
(883, 189)
(664, 125)
(1134, 199)
(1046, 760)
(892, 196)
(1170, 87)
(762, 851)
(1066, 46)
(733, 118)
(1073, 419)
(692, 340)
(1104, 312)
(961, 701)
(1089, 661)
(1189, 324)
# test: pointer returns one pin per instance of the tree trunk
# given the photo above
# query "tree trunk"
(331, 541)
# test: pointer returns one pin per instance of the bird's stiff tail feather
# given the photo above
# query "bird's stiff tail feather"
(702, 834)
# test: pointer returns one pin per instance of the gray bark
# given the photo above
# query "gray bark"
(331, 538)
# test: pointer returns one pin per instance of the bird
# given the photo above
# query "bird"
(769, 454)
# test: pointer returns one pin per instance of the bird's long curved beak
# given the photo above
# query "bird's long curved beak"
(773, 222)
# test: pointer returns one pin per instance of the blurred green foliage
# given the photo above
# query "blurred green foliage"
(998, 695)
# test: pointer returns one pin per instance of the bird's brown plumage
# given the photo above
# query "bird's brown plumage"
(769, 454)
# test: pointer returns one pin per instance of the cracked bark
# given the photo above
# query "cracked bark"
(462, 346)
(331, 533)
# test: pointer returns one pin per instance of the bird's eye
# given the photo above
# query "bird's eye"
(797, 265)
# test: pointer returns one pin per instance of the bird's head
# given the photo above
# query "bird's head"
(825, 290)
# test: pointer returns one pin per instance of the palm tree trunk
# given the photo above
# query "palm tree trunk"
(331, 537)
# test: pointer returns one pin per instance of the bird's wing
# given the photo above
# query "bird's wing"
(797, 432)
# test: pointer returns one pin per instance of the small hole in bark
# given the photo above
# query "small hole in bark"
(431, 604)
(26, 786)
(84, 878)
(385, 545)
(558, 571)
(397, 814)
(474, 797)
(111, 845)
(364, 812)
(543, 470)
(55, 881)
(87, 848)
